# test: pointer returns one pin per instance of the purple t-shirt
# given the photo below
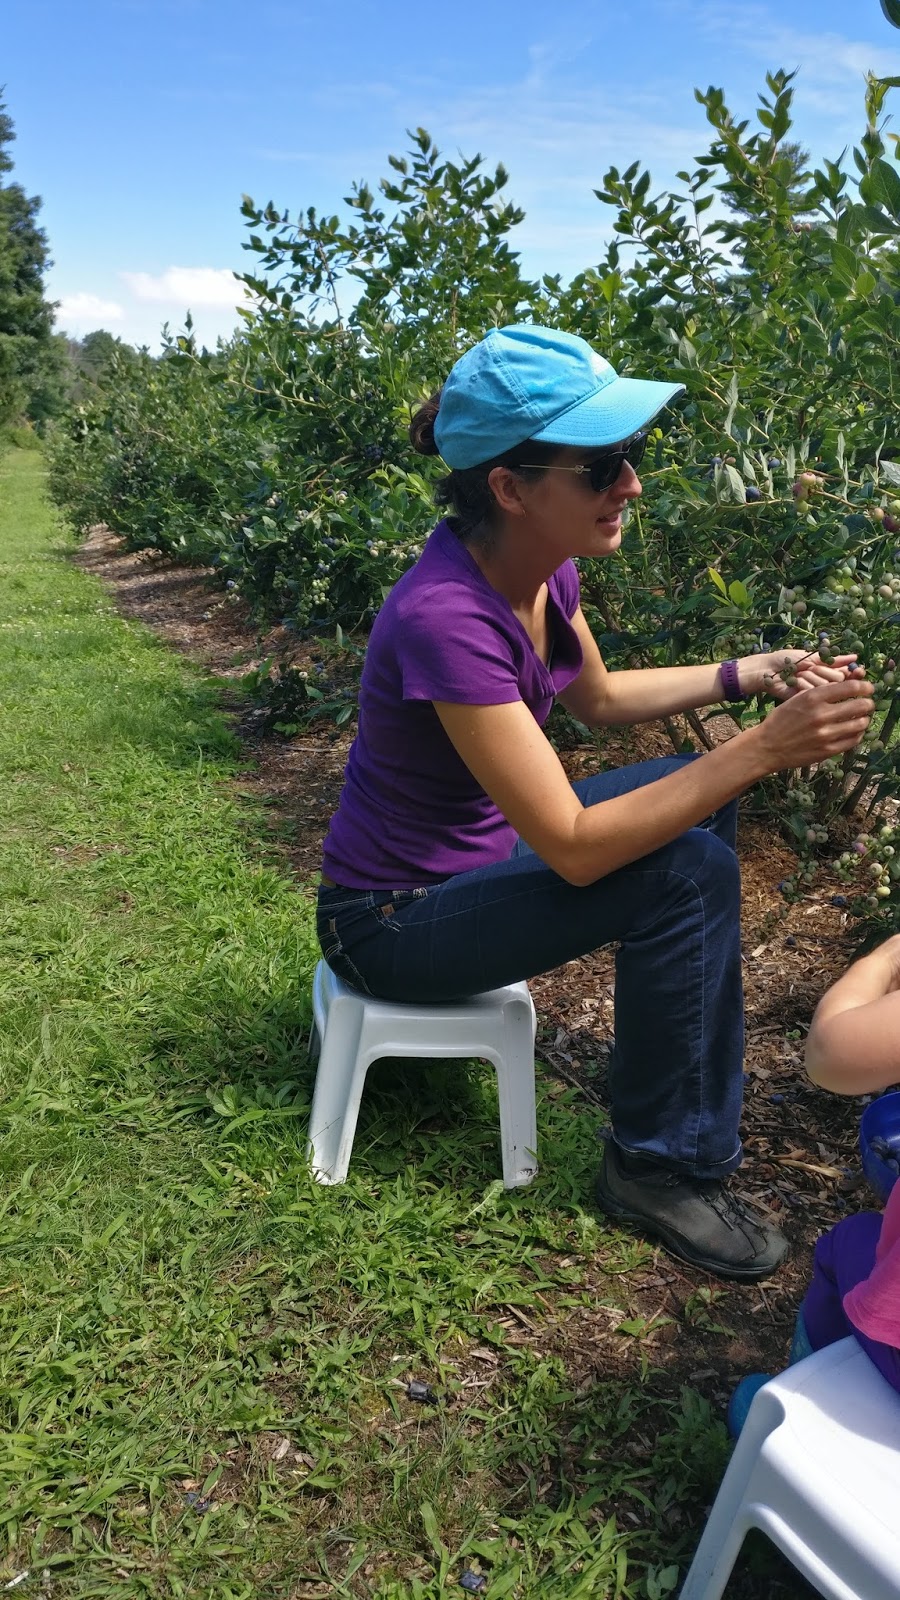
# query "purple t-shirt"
(411, 812)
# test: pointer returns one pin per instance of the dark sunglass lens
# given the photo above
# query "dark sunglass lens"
(605, 469)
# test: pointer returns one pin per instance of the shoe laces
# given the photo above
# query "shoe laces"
(732, 1211)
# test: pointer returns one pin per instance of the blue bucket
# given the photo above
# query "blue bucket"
(879, 1142)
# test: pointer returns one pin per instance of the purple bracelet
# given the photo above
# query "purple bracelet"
(731, 683)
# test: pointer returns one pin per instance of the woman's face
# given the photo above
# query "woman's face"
(567, 511)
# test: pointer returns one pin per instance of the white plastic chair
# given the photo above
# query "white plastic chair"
(817, 1468)
(352, 1030)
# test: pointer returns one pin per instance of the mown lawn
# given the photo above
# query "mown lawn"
(203, 1355)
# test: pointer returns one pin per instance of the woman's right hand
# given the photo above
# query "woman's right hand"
(816, 724)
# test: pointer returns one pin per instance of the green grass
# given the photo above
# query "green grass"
(203, 1354)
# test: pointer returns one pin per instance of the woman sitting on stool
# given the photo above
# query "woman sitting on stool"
(461, 858)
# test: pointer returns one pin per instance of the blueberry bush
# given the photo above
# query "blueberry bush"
(771, 506)
(281, 457)
(770, 512)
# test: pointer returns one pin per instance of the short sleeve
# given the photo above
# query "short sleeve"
(455, 654)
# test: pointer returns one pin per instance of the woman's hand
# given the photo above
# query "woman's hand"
(826, 719)
(765, 674)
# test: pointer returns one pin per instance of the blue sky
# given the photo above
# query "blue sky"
(141, 122)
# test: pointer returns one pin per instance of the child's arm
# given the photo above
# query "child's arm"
(853, 1046)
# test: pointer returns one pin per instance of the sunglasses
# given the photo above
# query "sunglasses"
(604, 470)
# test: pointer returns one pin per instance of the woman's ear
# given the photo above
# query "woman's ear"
(507, 488)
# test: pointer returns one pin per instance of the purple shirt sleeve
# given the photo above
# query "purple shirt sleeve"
(462, 658)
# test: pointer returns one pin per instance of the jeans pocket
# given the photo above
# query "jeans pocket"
(335, 956)
(386, 906)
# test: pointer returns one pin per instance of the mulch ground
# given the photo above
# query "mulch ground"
(801, 1163)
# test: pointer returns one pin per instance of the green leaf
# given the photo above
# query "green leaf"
(718, 581)
(845, 263)
(879, 221)
(730, 489)
(886, 181)
(687, 352)
(430, 1524)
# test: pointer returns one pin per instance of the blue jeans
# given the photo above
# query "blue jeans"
(675, 1072)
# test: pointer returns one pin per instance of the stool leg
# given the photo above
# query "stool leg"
(313, 1043)
(339, 1083)
(712, 1565)
(515, 1089)
(727, 1523)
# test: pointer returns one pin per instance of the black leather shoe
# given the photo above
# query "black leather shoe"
(698, 1219)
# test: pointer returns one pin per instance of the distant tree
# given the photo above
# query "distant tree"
(32, 359)
(789, 165)
(98, 350)
(96, 359)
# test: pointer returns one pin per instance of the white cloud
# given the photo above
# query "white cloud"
(826, 57)
(188, 287)
(82, 312)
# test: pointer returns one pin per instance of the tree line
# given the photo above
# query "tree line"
(42, 372)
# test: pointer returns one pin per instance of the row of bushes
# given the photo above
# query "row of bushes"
(771, 290)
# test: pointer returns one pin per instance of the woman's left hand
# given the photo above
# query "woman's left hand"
(764, 674)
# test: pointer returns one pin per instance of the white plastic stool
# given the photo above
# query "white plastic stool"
(354, 1030)
(817, 1468)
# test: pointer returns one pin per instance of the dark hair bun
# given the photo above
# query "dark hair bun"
(421, 428)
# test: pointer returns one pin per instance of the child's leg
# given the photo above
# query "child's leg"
(844, 1257)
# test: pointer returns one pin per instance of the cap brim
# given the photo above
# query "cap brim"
(614, 413)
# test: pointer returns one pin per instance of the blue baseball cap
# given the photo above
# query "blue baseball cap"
(526, 382)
